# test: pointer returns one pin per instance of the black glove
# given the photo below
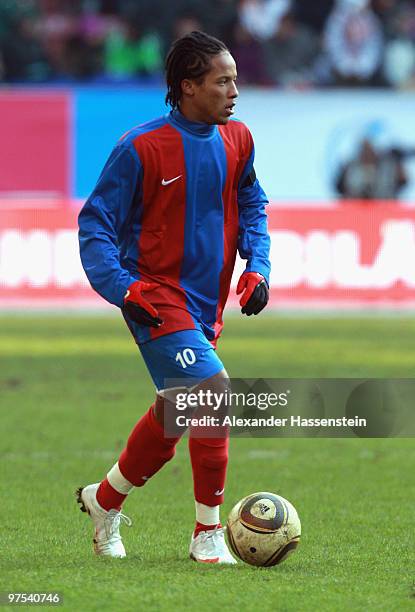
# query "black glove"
(255, 293)
(138, 308)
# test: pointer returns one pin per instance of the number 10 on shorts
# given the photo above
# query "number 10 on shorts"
(186, 357)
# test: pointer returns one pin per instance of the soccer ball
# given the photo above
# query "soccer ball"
(263, 529)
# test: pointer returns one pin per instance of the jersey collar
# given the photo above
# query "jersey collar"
(194, 127)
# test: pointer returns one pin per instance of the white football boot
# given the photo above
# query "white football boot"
(210, 547)
(107, 539)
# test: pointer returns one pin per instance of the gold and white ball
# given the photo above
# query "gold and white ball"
(263, 529)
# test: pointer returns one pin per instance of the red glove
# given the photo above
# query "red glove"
(138, 308)
(255, 293)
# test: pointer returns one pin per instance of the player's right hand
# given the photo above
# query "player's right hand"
(138, 308)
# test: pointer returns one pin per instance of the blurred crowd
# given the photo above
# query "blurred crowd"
(287, 43)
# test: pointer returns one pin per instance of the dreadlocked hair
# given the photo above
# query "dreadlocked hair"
(189, 58)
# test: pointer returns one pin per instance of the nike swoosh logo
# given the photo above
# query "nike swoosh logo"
(163, 182)
(217, 493)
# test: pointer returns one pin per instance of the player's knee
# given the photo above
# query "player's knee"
(217, 386)
(219, 383)
(166, 404)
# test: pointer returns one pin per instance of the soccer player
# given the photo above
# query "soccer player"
(176, 200)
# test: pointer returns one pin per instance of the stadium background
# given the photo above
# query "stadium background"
(332, 75)
(326, 88)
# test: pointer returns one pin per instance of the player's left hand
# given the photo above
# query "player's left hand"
(255, 293)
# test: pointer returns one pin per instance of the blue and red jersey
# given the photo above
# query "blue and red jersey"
(174, 203)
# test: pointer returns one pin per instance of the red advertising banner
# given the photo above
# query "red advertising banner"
(39, 257)
(352, 255)
(34, 152)
(349, 256)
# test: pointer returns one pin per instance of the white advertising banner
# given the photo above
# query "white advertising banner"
(350, 256)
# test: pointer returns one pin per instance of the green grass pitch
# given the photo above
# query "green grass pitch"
(71, 390)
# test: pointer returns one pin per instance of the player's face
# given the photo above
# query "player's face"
(213, 100)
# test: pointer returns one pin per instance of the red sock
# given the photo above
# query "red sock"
(108, 497)
(201, 527)
(209, 457)
(147, 450)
